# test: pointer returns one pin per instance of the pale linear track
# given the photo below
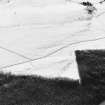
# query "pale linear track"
(30, 60)
(15, 53)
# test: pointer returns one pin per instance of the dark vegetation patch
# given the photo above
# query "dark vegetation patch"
(32, 90)
(91, 65)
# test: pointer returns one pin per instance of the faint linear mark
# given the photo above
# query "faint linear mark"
(18, 54)
(100, 14)
(70, 44)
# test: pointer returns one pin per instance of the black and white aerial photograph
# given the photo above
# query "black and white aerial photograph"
(52, 52)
